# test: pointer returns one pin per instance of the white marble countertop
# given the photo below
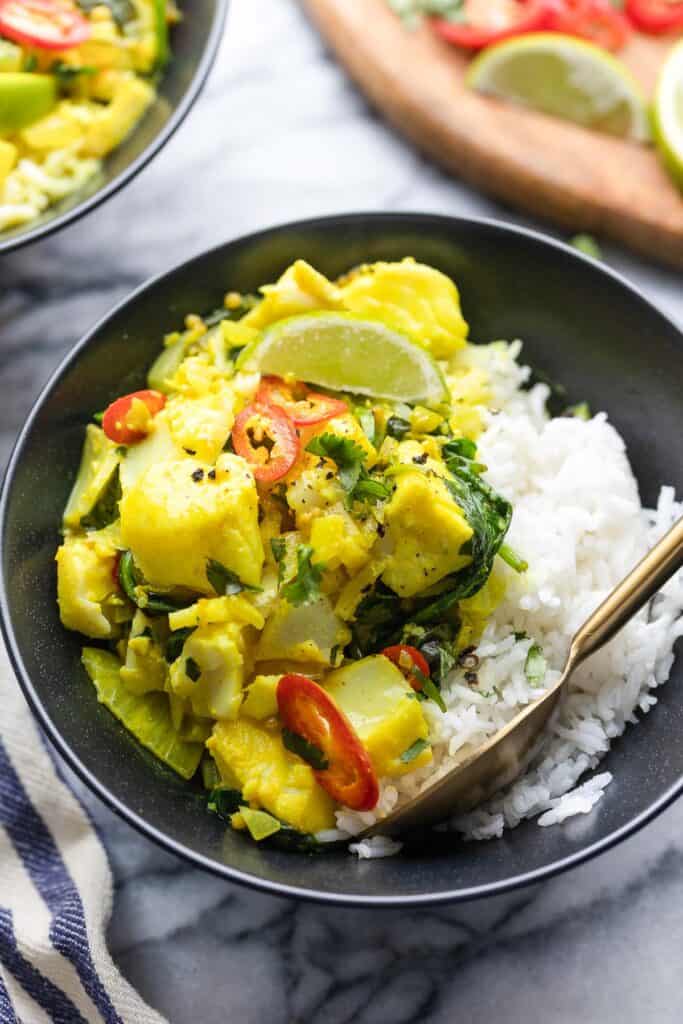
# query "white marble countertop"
(279, 134)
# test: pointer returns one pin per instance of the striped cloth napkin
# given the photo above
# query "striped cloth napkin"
(55, 890)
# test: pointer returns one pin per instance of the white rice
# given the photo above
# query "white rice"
(579, 523)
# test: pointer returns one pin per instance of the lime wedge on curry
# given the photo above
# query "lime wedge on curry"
(566, 77)
(346, 352)
(24, 98)
(667, 113)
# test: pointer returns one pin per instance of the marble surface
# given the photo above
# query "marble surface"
(279, 133)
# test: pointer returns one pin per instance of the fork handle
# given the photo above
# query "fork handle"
(642, 583)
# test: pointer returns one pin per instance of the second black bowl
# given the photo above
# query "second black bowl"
(194, 42)
(581, 324)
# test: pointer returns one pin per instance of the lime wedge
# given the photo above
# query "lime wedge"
(345, 352)
(566, 77)
(667, 113)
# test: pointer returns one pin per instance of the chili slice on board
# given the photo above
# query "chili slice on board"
(46, 24)
(266, 437)
(595, 20)
(655, 16)
(307, 710)
(119, 419)
(408, 658)
(487, 23)
(303, 406)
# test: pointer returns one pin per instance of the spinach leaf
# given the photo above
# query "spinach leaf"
(122, 11)
(224, 802)
(510, 556)
(224, 581)
(397, 427)
(151, 603)
(304, 588)
(377, 620)
(68, 73)
(192, 669)
(306, 750)
(106, 508)
(489, 515)
(176, 642)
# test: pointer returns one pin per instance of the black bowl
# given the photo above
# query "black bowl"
(582, 325)
(194, 42)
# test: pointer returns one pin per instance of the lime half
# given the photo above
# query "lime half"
(345, 352)
(667, 114)
(567, 78)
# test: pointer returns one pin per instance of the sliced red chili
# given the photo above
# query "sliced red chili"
(303, 406)
(487, 23)
(307, 710)
(408, 659)
(266, 437)
(655, 16)
(46, 24)
(115, 421)
(595, 20)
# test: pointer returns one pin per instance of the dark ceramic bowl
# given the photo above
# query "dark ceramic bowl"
(194, 42)
(582, 325)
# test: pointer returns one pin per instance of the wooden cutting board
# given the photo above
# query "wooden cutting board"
(579, 179)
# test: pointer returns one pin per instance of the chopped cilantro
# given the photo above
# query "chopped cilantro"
(304, 587)
(176, 642)
(348, 455)
(224, 802)
(278, 546)
(397, 427)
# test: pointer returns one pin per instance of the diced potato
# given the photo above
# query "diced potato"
(158, 446)
(413, 298)
(84, 581)
(337, 540)
(210, 610)
(119, 117)
(301, 289)
(55, 131)
(145, 667)
(381, 706)
(252, 758)
(210, 671)
(260, 699)
(201, 425)
(427, 530)
(176, 516)
(307, 633)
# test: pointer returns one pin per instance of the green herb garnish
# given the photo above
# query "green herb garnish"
(397, 427)
(68, 73)
(176, 642)
(304, 587)
(192, 669)
(535, 666)
(413, 751)
(278, 545)
(346, 453)
(306, 750)
(511, 558)
(224, 802)
(224, 581)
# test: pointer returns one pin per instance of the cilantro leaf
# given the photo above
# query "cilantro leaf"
(176, 642)
(225, 581)
(397, 427)
(348, 455)
(370, 489)
(306, 750)
(304, 587)
(278, 546)
(224, 802)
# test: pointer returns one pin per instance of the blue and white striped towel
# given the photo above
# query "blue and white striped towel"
(55, 890)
